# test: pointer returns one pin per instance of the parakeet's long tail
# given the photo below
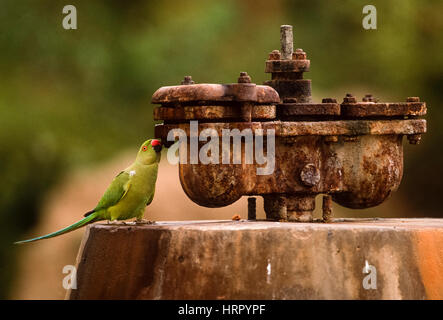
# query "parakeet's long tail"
(89, 219)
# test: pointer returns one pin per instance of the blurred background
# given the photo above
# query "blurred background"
(75, 104)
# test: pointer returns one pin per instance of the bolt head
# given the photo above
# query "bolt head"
(329, 100)
(244, 78)
(187, 80)
(349, 99)
(368, 98)
(299, 54)
(274, 55)
(310, 175)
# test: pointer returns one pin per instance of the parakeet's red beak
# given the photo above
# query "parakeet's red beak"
(156, 145)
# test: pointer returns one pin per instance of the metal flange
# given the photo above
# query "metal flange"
(205, 92)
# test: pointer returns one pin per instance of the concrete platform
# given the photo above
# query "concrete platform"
(345, 259)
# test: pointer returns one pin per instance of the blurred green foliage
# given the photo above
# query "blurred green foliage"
(72, 97)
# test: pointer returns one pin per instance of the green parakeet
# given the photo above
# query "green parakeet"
(128, 194)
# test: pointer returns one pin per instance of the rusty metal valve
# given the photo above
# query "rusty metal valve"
(351, 152)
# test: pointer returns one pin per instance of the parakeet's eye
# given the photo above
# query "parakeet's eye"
(145, 148)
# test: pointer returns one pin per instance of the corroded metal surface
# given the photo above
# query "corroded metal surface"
(327, 209)
(215, 93)
(288, 110)
(297, 89)
(350, 151)
(287, 66)
(308, 128)
(287, 42)
(230, 112)
(373, 109)
(262, 260)
(360, 174)
(287, 75)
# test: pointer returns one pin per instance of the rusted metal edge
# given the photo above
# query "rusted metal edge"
(387, 109)
(308, 109)
(180, 113)
(303, 128)
(215, 93)
(232, 111)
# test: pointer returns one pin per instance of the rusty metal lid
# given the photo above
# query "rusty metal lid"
(205, 92)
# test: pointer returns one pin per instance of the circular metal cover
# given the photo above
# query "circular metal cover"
(198, 93)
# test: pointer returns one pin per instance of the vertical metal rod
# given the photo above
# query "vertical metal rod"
(327, 208)
(286, 42)
(252, 205)
(246, 108)
(275, 207)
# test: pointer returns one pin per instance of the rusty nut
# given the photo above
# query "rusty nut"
(310, 175)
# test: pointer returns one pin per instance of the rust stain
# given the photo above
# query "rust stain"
(429, 245)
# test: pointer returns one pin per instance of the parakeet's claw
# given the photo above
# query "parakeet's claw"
(143, 221)
(115, 222)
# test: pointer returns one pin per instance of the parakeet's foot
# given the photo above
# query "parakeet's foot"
(126, 223)
(116, 222)
(143, 221)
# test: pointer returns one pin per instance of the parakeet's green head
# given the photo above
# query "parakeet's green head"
(149, 152)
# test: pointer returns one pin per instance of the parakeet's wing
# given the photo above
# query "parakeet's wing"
(150, 197)
(151, 181)
(115, 192)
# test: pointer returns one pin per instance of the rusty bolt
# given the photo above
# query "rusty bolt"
(286, 42)
(310, 175)
(244, 78)
(414, 138)
(252, 208)
(330, 139)
(187, 80)
(368, 98)
(274, 55)
(329, 100)
(299, 54)
(327, 208)
(349, 98)
(413, 99)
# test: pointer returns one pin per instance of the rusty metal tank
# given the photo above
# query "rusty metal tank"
(350, 151)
